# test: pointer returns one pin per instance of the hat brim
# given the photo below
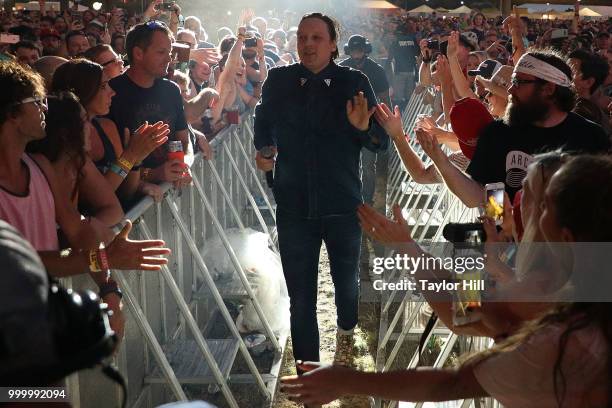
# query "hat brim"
(492, 87)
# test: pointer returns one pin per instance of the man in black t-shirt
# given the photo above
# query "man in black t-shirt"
(403, 53)
(538, 119)
(358, 48)
(143, 94)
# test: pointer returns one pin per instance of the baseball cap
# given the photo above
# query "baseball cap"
(357, 42)
(469, 40)
(49, 33)
(486, 69)
(468, 116)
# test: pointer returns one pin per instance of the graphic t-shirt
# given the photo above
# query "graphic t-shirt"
(503, 152)
(404, 51)
(133, 105)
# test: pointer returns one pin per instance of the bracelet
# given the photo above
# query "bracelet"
(102, 257)
(118, 170)
(108, 288)
(125, 164)
(94, 266)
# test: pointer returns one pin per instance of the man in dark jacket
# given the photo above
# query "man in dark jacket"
(318, 117)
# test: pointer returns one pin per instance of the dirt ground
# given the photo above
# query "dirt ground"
(366, 336)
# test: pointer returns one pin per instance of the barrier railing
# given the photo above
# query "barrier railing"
(427, 208)
(178, 310)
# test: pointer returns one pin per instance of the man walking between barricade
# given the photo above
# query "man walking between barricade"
(317, 116)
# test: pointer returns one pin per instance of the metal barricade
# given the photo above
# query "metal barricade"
(427, 208)
(179, 310)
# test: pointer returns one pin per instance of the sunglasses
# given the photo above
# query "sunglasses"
(116, 60)
(40, 102)
(518, 82)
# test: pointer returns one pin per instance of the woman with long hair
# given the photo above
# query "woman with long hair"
(65, 146)
(562, 359)
(115, 157)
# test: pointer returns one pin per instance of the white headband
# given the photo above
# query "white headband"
(533, 66)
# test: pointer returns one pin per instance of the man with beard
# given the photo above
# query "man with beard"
(538, 118)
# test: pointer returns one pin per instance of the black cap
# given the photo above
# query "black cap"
(486, 69)
(357, 42)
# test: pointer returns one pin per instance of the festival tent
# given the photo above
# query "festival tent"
(604, 11)
(587, 12)
(378, 5)
(424, 9)
(441, 10)
(461, 10)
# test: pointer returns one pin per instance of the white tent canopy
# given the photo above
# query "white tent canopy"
(587, 12)
(461, 10)
(422, 9)
(604, 11)
(377, 4)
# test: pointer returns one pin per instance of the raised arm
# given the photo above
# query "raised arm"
(469, 191)
(462, 85)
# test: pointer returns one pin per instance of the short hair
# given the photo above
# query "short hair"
(592, 66)
(30, 45)
(94, 52)
(141, 36)
(332, 27)
(226, 44)
(73, 33)
(565, 97)
(80, 76)
(17, 83)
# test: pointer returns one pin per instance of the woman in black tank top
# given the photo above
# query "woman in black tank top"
(120, 158)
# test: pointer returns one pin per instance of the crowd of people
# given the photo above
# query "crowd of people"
(95, 104)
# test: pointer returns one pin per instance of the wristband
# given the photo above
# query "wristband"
(125, 164)
(94, 266)
(118, 170)
(102, 257)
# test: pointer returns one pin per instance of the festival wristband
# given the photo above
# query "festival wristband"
(102, 257)
(118, 170)
(94, 266)
(125, 164)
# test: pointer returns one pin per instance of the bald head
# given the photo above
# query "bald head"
(46, 67)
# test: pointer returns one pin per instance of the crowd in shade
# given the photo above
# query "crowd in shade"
(94, 103)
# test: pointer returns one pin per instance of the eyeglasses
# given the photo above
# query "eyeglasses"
(518, 82)
(116, 60)
(40, 102)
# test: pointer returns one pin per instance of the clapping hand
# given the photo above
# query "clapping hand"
(382, 229)
(358, 113)
(320, 383)
(453, 44)
(429, 143)
(390, 121)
